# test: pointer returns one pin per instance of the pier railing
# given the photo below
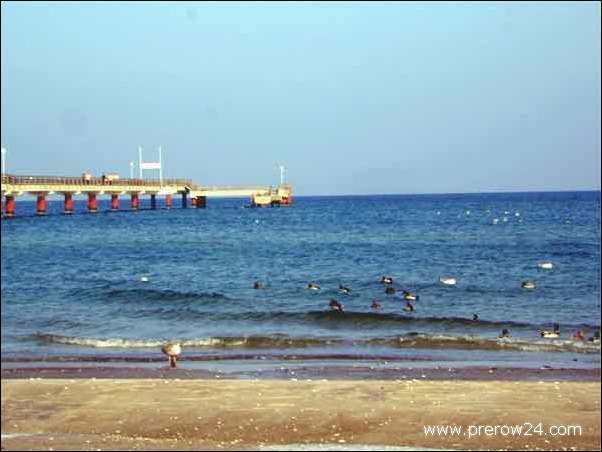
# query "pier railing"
(90, 180)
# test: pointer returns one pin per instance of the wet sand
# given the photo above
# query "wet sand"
(215, 414)
(284, 371)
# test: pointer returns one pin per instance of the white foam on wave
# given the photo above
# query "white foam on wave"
(506, 343)
(137, 343)
(415, 340)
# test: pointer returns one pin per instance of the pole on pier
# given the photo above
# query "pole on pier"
(135, 201)
(10, 206)
(168, 201)
(184, 200)
(3, 161)
(153, 201)
(68, 209)
(160, 166)
(114, 202)
(140, 160)
(92, 203)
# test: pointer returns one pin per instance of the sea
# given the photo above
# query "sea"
(112, 288)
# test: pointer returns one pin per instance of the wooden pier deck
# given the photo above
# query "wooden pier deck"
(14, 186)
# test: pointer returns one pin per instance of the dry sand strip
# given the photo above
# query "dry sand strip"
(123, 414)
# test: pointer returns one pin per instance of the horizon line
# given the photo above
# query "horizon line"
(570, 190)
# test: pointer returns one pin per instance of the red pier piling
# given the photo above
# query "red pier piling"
(135, 201)
(41, 205)
(68, 204)
(10, 206)
(114, 202)
(92, 203)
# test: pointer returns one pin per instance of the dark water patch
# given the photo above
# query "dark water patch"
(141, 294)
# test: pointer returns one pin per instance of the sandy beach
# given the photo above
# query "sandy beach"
(154, 414)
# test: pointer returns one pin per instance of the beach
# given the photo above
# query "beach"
(214, 414)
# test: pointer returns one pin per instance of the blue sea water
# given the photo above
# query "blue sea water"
(88, 287)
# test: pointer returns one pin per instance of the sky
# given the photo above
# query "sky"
(352, 98)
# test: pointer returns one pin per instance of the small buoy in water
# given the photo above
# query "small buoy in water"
(496, 220)
(546, 264)
(313, 286)
(144, 279)
(448, 280)
(528, 285)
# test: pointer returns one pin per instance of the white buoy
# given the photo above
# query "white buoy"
(546, 265)
(448, 280)
(144, 279)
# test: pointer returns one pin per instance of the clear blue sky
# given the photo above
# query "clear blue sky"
(353, 98)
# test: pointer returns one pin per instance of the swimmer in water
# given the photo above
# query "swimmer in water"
(258, 285)
(387, 280)
(335, 305)
(376, 304)
(505, 333)
(344, 289)
(409, 307)
(390, 290)
(409, 296)
(475, 317)
(578, 336)
(551, 334)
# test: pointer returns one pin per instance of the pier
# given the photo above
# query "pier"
(189, 193)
